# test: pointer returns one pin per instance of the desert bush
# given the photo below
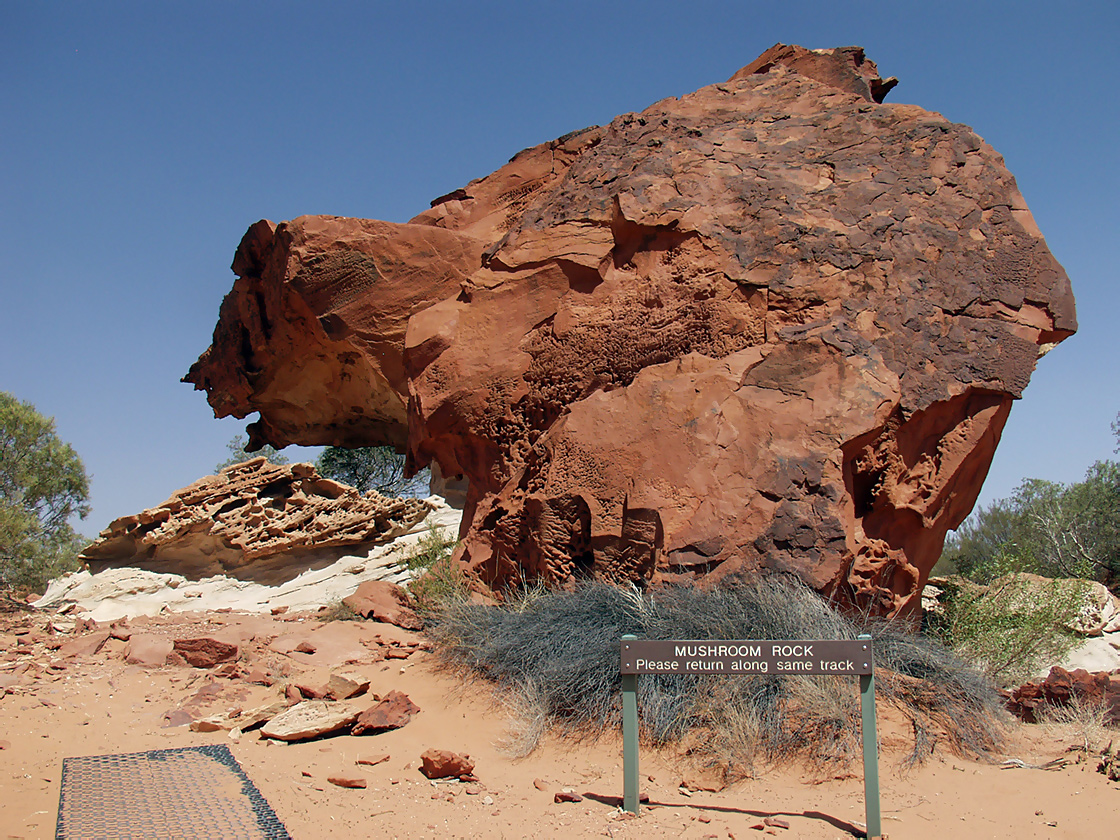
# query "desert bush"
(435, 545)
(565, 646)
(1012, 627)
(337, 611)
(1083, 721)
(439, 581)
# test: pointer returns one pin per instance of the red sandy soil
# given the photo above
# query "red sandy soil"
(53, 706)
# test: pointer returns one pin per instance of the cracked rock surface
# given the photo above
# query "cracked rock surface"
(775, 324)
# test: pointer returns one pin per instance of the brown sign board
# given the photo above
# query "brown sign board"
(742, 658)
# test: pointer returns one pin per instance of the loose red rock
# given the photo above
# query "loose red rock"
(392, 712)
(444, 764)
(205, 652)
(347, 781)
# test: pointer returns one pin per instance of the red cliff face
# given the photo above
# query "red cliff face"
(773, 324)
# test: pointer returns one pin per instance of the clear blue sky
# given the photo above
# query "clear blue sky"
(138, 141)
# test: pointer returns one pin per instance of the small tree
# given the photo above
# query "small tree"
(378, 468)
(1051, 529)
(238, 454)
(42, 485)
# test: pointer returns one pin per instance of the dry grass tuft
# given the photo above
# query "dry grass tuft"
(556, 655)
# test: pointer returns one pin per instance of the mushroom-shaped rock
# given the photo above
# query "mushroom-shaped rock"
(775, 324)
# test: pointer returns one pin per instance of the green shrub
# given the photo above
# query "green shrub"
(432, 547)
(1012, 627)
(559, 654)
(439, 580)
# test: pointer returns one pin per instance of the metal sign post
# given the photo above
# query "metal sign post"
(751, 657)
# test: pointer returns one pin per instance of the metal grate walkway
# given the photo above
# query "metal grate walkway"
(191, 792)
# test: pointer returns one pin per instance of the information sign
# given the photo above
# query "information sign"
(831, 657)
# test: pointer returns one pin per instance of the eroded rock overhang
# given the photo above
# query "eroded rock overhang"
(775, 324)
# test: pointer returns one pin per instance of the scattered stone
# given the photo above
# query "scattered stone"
(394, 711)
(309, 719)
(540, 784)
(306, 647)
(444, 764)
(776, 822)
(312, 692)
(564, 796)
(347, 781)
(373, 760)
(279, 610)
(5, 745)
(292, 694)
(384, 601)
(473, 789)
(343, 686)
(205, 652)
(259, 677)
(711, 779)
(85, 646)
(1109, 763)
(148, 649)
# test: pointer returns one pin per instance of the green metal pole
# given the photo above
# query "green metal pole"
(870, 751)
(630, 739)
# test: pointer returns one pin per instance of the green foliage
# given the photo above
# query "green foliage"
(238, 454)
(555, 655)
(43, 484)
(434, 546)
(378, 468)
(439, 581)
(1046, 528)
(1012, 627)
(337, 611)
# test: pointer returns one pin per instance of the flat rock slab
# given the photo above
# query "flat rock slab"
(343, 686)
(309, 719)
(85, 645)
(331, 645)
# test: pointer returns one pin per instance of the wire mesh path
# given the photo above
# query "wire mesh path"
(190, 792)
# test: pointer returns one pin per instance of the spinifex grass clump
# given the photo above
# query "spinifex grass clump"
(556, 654)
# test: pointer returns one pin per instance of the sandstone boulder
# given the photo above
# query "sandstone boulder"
(775, 324)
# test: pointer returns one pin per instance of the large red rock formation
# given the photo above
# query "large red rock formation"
(773, 324)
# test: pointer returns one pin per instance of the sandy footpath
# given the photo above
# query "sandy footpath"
(55, 705)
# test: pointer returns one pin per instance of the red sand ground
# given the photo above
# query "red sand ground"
(98, 704)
